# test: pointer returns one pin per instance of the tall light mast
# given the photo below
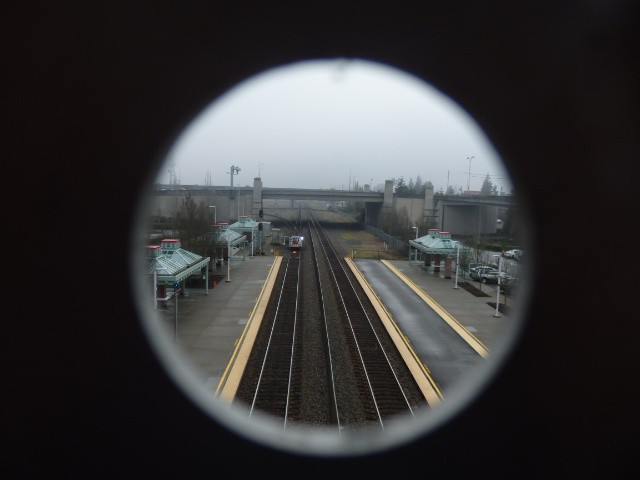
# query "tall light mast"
(233, 171)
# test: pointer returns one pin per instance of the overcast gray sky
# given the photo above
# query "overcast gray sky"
(331, 124)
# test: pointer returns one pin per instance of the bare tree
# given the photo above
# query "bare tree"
(193, 224)
(477, 254)
(464, 256)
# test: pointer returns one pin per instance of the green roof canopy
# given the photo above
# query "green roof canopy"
(171, 263)
(436, 242)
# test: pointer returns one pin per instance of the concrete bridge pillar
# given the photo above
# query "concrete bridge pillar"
(429, 212)
(387, 203)
(257, 197)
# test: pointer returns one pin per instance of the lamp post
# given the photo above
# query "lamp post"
(416, 254)
(497, 314)
(240, 195)
(457, 263)
(215, 220)
(228, 279)
(252, 238)
(233, 171)
(175, 330)
(176, 294)
(155, 288)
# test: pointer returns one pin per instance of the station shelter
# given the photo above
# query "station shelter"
(257, 233)
(434, 248)
(230, 245)
(169, 266)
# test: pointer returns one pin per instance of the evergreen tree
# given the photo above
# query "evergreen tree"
(411, 186)
(401, 186)
(487, 186)
(419, 186)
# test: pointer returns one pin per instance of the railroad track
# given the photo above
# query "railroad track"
(322, 355)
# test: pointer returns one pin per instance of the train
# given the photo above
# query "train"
(294, 242)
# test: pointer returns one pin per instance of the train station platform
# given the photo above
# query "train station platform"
(210, 326)
(472, 312)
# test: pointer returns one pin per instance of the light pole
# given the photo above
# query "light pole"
(469, 178)
(233, 171)
(175, 330)
(457, 263)
(215, 222)
(252, 238)
(155, 288)
(176, 294)
(228, 279)
(497, 314)
(416, 254)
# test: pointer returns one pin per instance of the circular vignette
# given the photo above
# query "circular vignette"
(313, 440)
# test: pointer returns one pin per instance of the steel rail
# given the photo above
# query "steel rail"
(362, 309)
(331, 373)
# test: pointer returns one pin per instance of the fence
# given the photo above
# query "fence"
(398, 246)
(376, 254)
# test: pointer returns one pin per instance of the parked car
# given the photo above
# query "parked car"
(492, 277)
(515, 253)
(477, 272)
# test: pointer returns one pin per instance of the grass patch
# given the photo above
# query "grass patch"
(348, 236)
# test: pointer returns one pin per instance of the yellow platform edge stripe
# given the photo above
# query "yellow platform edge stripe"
(466, 335)
(228, 385)
(420, 373)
